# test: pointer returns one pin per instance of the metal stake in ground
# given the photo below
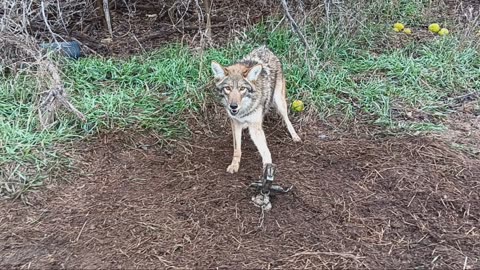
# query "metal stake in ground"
(265, 187)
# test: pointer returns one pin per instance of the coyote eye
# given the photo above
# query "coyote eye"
(227, 89)
(245, 89)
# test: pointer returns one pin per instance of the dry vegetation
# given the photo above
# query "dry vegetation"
(373, 188)
(21, 52)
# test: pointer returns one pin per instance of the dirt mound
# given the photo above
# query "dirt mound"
(357, 203)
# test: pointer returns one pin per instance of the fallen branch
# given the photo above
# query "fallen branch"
(48, 75)
(54, 97)
(50, 102)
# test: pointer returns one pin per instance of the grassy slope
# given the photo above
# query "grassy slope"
(368, 71)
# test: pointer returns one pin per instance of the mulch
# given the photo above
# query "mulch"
(132, 201)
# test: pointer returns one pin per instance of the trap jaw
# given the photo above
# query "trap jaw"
(265, 185)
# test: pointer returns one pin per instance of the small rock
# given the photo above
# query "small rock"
(323, 137)
(262, 201)
(106, 41)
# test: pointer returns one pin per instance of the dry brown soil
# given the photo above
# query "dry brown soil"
(357, 202)
(366, 201)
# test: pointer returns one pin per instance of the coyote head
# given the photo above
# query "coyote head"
(236, 84)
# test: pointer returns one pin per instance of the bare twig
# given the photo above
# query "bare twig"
(42, 4)
(294, 24)
(106, 11)
(338, 254)
(200, 22)
(308, 55)
(81, 230)
(208, 27)
(327, 9)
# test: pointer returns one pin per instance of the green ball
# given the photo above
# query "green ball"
(298, 106)
(443, 32)
(434, 27)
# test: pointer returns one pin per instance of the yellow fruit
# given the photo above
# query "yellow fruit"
(399, 26)
(407, 31)
(396, 29)
(434, 27)
(298, 106)
(443, 32)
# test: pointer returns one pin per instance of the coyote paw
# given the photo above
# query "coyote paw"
(233, 168)
(296, 138)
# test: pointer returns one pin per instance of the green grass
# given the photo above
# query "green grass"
(349, 74)
(417, 76)
(147, 92)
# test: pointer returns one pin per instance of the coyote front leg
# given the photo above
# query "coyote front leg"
(237, 146)
(258, 138)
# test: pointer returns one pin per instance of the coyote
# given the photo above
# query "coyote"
(248, 88)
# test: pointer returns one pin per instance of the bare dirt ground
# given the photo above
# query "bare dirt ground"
(147, 25)
(464, 126)
(357, 202)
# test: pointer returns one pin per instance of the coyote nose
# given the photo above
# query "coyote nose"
(233, 106)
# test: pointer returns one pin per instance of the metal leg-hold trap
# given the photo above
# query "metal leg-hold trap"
(265, 185)
(266, 188)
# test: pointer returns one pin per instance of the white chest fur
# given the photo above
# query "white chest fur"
(255, 117)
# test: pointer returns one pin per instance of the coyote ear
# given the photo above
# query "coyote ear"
(218, 71)
(254, 72)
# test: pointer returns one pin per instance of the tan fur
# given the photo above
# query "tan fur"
(248, 89)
